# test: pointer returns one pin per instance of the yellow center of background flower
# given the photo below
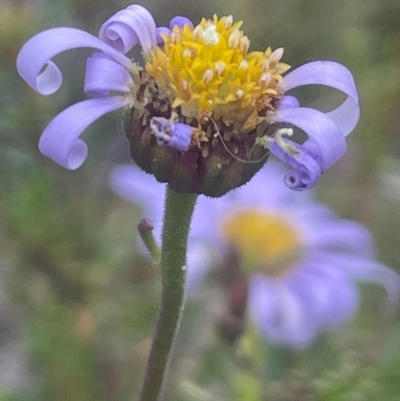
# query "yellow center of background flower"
(264, 241)
(208, 70)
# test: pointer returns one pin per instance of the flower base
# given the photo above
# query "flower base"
(218, 164)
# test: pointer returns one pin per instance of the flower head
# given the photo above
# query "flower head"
(300, 261)
(203, 112)
(209, 71)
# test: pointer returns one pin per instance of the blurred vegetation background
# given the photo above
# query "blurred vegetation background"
(78, 299)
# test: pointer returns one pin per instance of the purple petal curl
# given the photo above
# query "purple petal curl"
(34, 59)
(307, 169)
(128, 27)
(253, 194)
(288, 102)
(103, 75)
(336, 76)
(180, 22)
(172, 135)
(176, 21)
(181, 137)
(60, 140)
(320, 128)
(162, 30)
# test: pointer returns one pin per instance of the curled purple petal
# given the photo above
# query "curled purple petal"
(307, 169)
(336, 76)
(320, 128)
(103, 75)
(346, 116)
(60, 140)
(162, 30)
(271, 175)
(128, 27)
(172, 135)
(181, 137)
(180, 22)
(34, 59)
(288, 102)
(176, 21)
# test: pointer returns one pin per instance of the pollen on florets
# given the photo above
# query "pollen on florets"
(208, 70)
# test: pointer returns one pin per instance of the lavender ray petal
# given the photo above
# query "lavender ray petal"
(129, 27)
(172, 135)
(311, 211)
(180, 22)
(205, 224)
(307, 168)
(36, 54)
(346, 116)
(344, 235)
(162, 30)
(288, 102)
(364, 269)
(336, 76)
(181, 137)
(199, 260)
(103, 75)
(320, 128)
(60, 140)
(134, 185)
(328, 294)
(279, 313)
(263, 304)
(253, 194)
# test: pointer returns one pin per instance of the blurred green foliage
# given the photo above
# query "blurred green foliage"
(86, 295)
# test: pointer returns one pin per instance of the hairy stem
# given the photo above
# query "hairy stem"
(178, 213)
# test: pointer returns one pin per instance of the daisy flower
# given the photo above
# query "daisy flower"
(202, 112)
(301, 262)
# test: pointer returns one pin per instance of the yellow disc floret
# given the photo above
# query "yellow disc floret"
(208, 70)
(265, 241)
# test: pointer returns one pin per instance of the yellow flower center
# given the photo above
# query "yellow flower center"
(265, 241)
(209, 71)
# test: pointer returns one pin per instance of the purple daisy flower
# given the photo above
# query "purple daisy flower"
(301, 261)
(178, 96)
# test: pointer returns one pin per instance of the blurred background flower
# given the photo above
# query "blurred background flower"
(79, 297)
(287, 259)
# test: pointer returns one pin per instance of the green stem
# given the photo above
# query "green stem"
(145, 229)
(178, 213)
(278, 361)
